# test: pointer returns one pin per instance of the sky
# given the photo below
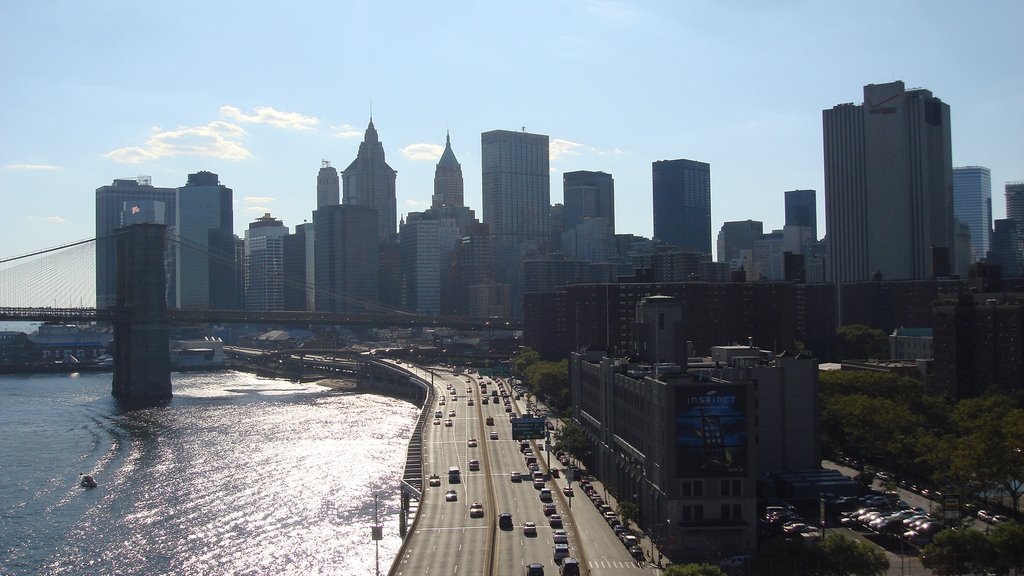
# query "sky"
(261, 92)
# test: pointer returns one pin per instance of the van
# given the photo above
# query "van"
(454, 475)
(570, 567)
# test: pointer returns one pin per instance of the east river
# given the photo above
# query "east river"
(237, 475)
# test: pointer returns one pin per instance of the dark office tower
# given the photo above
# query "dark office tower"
(588, 195)
(448, 189)
(129, 201)
(1015, 201)
(206, 266)
(369, 181)
(347, 257)
(516, 200)
(972, 206)
(802, 210)
(1007, 248)
(328, 189)
(889, 185)
(682, 204)
(298, 268)
(734, 237)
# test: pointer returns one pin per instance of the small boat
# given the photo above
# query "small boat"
(87, 481)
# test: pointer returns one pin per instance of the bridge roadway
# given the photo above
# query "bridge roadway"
(175, 316)
(445, 540)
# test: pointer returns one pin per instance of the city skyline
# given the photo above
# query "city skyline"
(85, 110)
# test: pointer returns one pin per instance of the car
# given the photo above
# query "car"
(451, 496)
(493, 435)
(637, 553)
(476, 510)
(738, 561)
(484, 401)
(529, 528)
(570, 567)
(448, 422)
(451, 413)
(545, 495)
(471, 442)
(440, 402)
(470, 402)
(555, 521)
(515, 476)
(549, 509)
(560, 537)
(535, 569)
(435, 480)
(567, 491)
(437, 421)
(474, 465)
(505, 521)
(560, 551)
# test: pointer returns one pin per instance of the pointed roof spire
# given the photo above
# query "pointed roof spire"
(448, 157)
(371, 132)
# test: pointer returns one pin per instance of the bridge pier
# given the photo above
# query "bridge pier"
(142, 368)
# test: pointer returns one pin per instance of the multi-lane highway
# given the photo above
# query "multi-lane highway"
(448, 539)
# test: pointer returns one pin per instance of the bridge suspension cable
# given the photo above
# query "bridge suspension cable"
(59, 277)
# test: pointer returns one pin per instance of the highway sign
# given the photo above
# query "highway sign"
(529, 428)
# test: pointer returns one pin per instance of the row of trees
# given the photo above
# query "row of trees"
(1000, 551)
(975, 446)
(547, 380)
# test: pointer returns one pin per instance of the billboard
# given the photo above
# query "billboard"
(529, 428)
(711, 430)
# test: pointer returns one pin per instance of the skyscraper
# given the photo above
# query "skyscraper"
(141, 202)
(802, 210)
(588, 194)
(448, 184)
(682, 204)
(347, 258)
(369, 181)
(264, 264)
(328, 189)
(735, 237)
(516, 200)
(972, 206)
(205, 254)
(1015, 201)
(889, 186)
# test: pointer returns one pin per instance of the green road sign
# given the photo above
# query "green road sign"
(529, 428)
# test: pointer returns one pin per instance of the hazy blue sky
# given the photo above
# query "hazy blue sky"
(260, 92)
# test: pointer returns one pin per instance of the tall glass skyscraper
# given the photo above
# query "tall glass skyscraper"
(889, 186)
(588, 194)
(802, 210)
(972, 205)
(205, 254)
(682, 204)
(516, 200)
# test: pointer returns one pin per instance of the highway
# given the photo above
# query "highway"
(445, 539)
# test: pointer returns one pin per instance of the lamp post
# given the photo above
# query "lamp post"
(376, 533)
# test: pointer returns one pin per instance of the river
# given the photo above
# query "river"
(237, 475)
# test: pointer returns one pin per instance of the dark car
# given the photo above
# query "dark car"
(535, 569)
(505, 521)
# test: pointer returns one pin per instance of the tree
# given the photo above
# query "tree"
(628, 512)
(842, 556)
(550, 380)
(523, 360)
(859, 341)
(1008, 547)
(954, 552)
(990, 451)
(571, 438)
(693, 570)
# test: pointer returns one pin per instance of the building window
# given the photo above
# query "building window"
(692, 488)
(731, 487)
(732, 512)
(692, 512)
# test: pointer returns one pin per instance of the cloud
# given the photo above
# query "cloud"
(345, 131)
(51, 219)
(260, 209)
(410, 203)
(611, 152)
(260, 199)
(559, 147)
(268, 115)
(31, 167)
(422, 151)
(217, 139)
